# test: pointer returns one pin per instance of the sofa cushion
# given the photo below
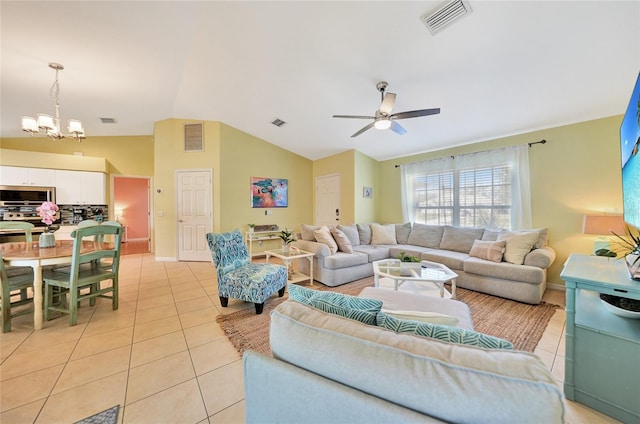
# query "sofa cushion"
(374, 253)
(408, 249)
(519, 243)
(323, 235)
(488, 250)
(490, 235)
(344, 245)
(364, 233)
(345, 260)
(426, 235)
(543, 235)
(383, 234)
(460, 239)
(402, 232)
(505, 271)
(417, 371)
(351, 231)
(444, 333)
(306, 232)
(453, 260)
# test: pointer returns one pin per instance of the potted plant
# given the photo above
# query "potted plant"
(251, 227)
(407, 258)
(287, 237)
(629, 248)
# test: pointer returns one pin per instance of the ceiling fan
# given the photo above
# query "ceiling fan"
(383, 118)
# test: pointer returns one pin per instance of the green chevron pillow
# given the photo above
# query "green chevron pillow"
(356, 308)
(443, 333)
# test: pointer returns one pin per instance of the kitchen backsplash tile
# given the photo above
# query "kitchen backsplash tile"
(73, 214)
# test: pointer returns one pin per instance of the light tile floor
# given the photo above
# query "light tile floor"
(161, 355)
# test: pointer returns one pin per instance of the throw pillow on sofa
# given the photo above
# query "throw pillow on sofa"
(356, 308)
(488, 250)
(344, 245)
(460, 239)
(444, 333)
(323, 235)
(364, 233)
(420, 316)
(383, 234)
(425, 235)
(351, 231)
(307, 232)
(519, 244)
(402, 232)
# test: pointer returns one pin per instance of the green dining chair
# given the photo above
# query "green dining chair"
(27, 227)
(86, 279)
(11, 285)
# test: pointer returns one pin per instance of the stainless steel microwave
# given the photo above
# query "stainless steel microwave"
(26, 195)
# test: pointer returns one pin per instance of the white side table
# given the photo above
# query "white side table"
(289, 256)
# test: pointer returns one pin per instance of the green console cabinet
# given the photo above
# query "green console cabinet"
(602, 362)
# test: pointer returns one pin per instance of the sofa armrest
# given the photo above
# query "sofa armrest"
(319, 249)
(541, 258)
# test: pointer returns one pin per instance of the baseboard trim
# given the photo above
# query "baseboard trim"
(166, 259)
(556, 286)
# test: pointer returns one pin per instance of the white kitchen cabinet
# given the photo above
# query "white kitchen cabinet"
(80, 188)
(21, 176)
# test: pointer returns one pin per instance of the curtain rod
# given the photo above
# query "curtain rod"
(543, 141)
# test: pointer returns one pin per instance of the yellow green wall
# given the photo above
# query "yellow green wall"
(126, 155)
(234, 157)
(366, 175)
(342, 164)
(246, 156)
(576, 172)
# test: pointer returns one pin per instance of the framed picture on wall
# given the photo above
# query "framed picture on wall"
(269, 192)
(367, 192)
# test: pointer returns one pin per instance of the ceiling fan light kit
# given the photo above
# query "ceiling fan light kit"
(383, 118)
(49, 125)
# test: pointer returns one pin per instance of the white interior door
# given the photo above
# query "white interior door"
(328, 200)
(194, 214)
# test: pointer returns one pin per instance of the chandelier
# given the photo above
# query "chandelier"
(49, 125)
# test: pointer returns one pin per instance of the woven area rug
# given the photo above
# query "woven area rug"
(520, 323)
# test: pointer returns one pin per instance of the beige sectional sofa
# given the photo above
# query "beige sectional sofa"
(330, 369)
(509, 264)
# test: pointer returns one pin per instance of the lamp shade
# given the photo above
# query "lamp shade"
(45, 121)
(603, 224)
(29, 124)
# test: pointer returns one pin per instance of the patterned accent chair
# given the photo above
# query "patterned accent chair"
(238, 277)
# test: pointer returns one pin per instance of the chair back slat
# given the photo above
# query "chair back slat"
(27, 227)
(95, 232)
(228, 251)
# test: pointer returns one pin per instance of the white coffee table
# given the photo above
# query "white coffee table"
(425, 271)
(287, 257)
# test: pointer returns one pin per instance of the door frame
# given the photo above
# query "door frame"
(112, 205)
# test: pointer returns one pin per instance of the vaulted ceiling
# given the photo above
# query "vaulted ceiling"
(508, 67)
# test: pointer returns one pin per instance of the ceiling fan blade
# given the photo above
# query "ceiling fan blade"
(387, 103)
(415, 113)
(397, 128)
(364, 129)
(354, 116)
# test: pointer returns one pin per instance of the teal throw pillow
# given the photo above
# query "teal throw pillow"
(443, 333)
(300, 294)
(356, 308)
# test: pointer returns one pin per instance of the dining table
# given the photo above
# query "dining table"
(36, 257)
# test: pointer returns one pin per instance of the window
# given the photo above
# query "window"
(487, 189)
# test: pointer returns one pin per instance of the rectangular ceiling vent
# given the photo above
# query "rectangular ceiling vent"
(193, 138)
(108, 120)
(446, 15)
(278, 122)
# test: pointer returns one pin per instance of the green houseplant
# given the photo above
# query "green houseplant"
(407, 258)
(287, 237)
(629, 247)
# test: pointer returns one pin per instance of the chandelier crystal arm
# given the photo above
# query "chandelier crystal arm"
(47, 124)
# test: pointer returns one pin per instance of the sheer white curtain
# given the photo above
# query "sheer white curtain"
(408, 174)
(517, 157)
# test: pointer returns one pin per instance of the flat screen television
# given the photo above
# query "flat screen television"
(630, 151)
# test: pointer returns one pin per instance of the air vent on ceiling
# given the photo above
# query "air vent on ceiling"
(193, 138)
(278, 122)
(108, 120)
(447, 14)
